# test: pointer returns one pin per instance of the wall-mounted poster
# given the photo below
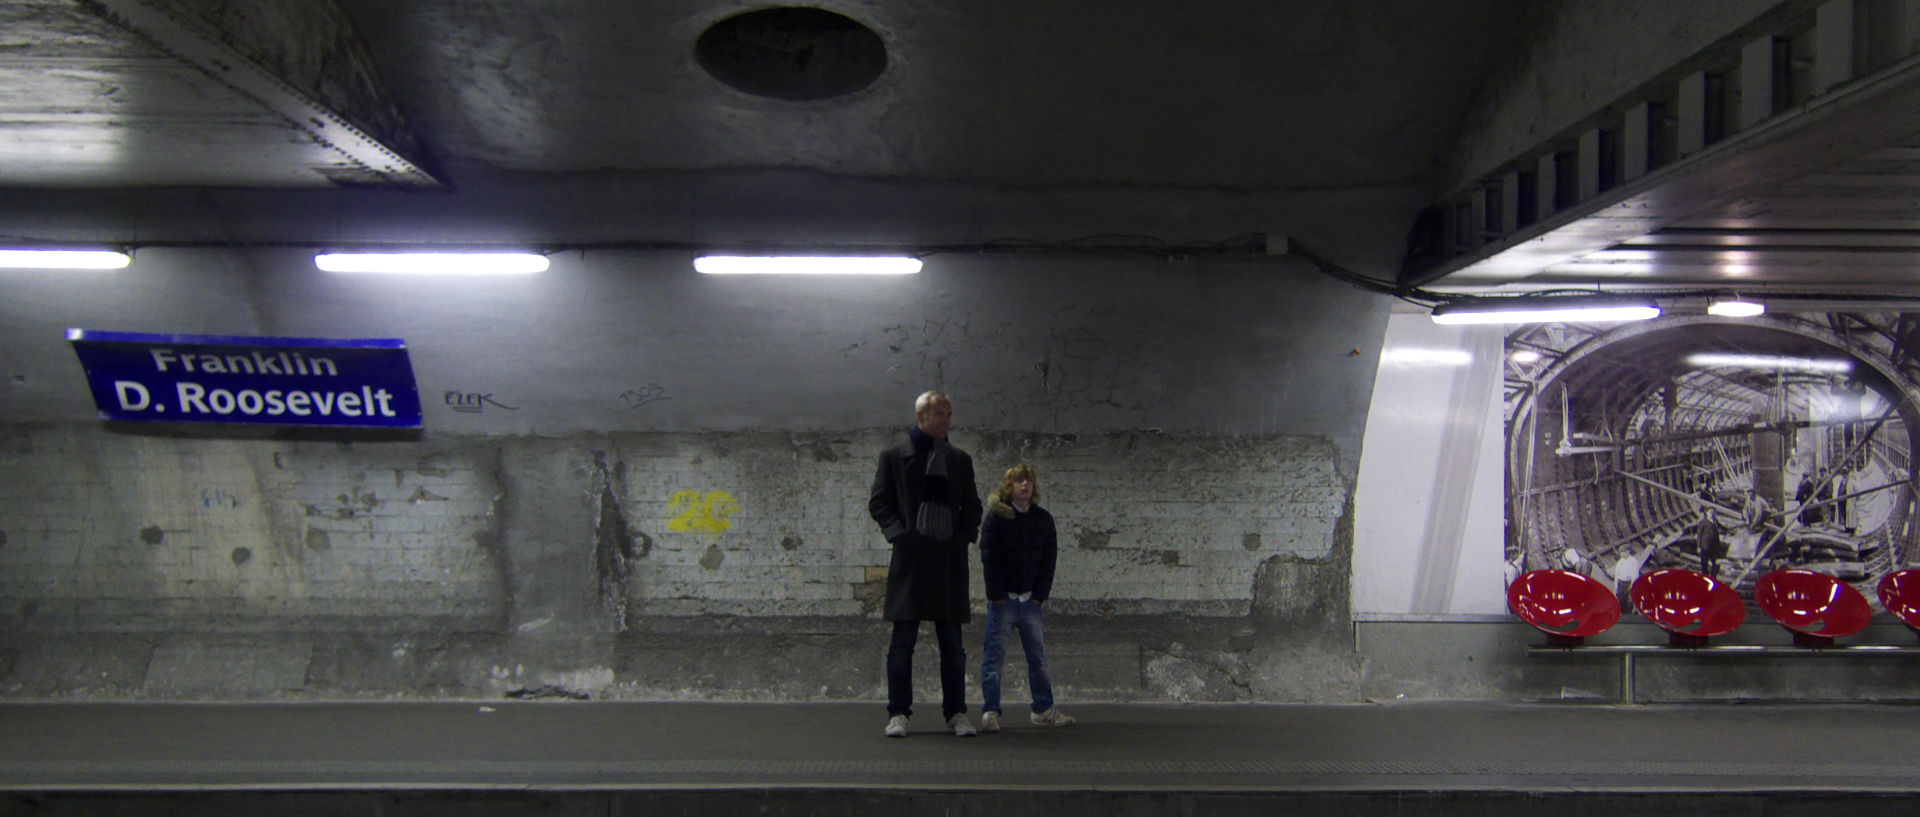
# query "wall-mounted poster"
(1738, 446)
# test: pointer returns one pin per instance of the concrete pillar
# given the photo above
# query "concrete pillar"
(1756, 82)
(1690, 103)
(560, 625)
(1589, 165)
(1546, 176)
(1834, 53)
(1634, 144)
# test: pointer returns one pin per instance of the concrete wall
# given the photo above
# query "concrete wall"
(660, 489)
(728, 565)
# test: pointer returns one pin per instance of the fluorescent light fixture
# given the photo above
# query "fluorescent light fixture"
(1578, 309)
(1735, 308)
(806, 265)
(1525, 356)
(63, 259)
(433, 263)
(1711, 360)
(1427, 357)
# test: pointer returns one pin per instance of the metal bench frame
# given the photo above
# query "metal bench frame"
(1628, 652)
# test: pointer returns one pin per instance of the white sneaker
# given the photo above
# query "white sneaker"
(897, 726)
(1052, 717)
(961, 726)
(989, 721)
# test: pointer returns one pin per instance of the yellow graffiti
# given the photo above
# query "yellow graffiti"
(695, 512)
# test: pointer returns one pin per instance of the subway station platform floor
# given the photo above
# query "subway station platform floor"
(73, 758)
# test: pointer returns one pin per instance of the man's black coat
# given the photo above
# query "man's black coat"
(926, 580)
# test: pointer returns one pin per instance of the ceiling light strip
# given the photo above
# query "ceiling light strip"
(1544, 310)
(63, 259)
(433, 263)
(806, 265)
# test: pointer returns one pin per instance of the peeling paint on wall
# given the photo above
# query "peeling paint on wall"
(613, 544)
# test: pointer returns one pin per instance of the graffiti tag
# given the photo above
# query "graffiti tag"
(473, 402)
(650, 393)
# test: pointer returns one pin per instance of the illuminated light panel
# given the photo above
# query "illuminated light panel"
(1539, 311)
(1525, 356)
(1713, 360)
(805, 265)
(1736, 309)
(433, 263)
(63, 259)
(1426, 357)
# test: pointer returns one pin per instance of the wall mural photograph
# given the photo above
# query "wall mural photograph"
(1730, 446)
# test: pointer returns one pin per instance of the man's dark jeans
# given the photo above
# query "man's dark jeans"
(953, 668)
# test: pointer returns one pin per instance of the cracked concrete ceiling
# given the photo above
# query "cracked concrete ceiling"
(1336, 123)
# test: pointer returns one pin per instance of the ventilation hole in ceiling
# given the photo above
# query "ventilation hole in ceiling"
(792, 53)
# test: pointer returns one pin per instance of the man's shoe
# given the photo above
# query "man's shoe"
(897, 726)
(989, 721)
(1052, 717)
(961, 726)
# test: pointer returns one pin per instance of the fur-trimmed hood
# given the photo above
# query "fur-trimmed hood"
(1000, 507)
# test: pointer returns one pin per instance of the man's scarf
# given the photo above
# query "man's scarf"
(934, 519)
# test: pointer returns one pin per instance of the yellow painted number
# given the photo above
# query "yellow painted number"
(695, 512)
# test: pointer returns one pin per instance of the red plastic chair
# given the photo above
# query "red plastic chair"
(1689, 605)
(1815, 607)
(1900, 593)
(1565, 605)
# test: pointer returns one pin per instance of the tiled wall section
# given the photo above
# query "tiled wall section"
(1149, 524)
(123, 533)
(110, 532)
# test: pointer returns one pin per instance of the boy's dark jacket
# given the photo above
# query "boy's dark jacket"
(1017, 551)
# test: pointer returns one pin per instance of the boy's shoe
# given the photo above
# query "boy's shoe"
(961, 726)
(897, 726)
(1052, 717)
(989, 721)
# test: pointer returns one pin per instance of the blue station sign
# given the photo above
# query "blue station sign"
(235, 379)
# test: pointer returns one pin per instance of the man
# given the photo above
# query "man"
(925, 503)
(1706, 535)
(1803, 496)
(1755, 510)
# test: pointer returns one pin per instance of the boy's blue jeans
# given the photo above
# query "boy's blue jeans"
(1025, 616)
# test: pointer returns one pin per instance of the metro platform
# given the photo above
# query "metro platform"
(593, 757)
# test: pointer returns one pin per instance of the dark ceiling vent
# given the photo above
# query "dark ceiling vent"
(792, 52)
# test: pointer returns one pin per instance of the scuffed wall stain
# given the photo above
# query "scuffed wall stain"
(1182, 674)
(1091, 539)
(820, 448)
(353, 503)
(871, 591)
